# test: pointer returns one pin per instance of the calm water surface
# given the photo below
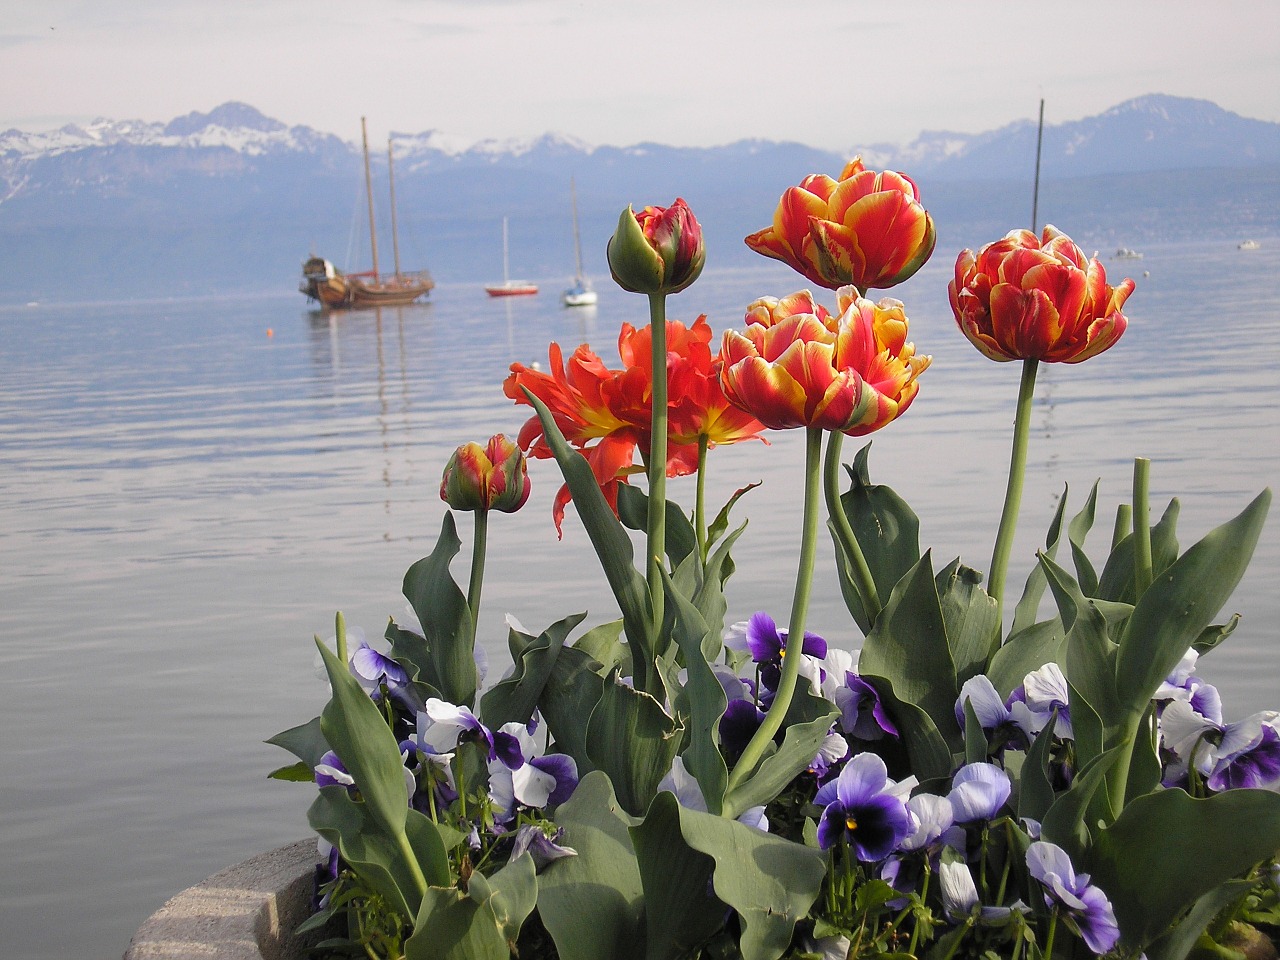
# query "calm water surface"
(185, 500)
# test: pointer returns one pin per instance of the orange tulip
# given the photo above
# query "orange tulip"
(883, 357)
(867, 229)
(797, 365)
(658, 250)
(1023, 298)
(607, 413)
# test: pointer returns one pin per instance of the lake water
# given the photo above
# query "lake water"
(190, 489)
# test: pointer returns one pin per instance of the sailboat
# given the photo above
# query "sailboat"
(580, 294)
(509, 287)
(336, 290)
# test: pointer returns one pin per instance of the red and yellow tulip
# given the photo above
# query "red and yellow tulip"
(866, 228)
(607, 413)
(797, 365)
(490, 477)
(1037, 298)
(658, 250)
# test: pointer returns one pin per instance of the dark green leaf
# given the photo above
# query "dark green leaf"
(632, 739)
(908, 647)
(1026, 651)
(1184, 599)
(568, 699)
(971, 617)
(1117, 580)
(799, 746)
(1192, 846)
(514, 699)
(1024, 615)
(305, 742)
(593, 904)
(446, 659)
(633, 511)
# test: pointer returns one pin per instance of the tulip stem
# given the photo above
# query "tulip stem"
(793, 653)
(700, 508)
(861, 572)
(478, 544)
(657, 520)
(1141, 527)
(1013, 492)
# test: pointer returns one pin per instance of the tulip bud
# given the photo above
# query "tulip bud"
(658, 250)
(492, 477)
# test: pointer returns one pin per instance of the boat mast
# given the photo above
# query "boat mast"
(395, 238)
(368, 192)
(1035, 196)
(506, 273)
(577, 241)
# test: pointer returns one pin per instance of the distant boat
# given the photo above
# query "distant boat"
(335, 290)
(580, 294)
(509, 287)
(1249, 245)
(1125, 253)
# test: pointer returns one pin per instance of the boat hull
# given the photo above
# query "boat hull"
(335, 290)
(512, 289)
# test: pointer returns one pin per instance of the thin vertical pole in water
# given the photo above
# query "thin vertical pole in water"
(395, 238)
(1035, 196)
(577, 241)
(368, 192)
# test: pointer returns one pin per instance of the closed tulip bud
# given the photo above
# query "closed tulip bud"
(492, 477)
(658, 250)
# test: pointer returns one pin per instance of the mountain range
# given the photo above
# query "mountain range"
(230, 201)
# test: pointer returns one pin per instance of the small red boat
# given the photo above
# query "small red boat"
(509, 287)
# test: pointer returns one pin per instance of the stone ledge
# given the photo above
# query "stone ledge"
(246, 912)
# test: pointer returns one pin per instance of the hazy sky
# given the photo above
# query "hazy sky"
(831, 73)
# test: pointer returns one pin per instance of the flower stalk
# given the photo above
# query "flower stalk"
(656, 532)
(478, 547)
(1013, 492)
(861, 572)
(772, 722)
(1141, 527)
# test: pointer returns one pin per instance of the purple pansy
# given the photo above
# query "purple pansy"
(538, 782)
(1228, 755)
(374, 669)
(960, 895)
(1084, 907)
(767, 643)
(443, 725)
(861, 808)
(934, 819)
(739, 722)
(1042, 692)
(862, 715)
(978, 791)
(1254, 763)
(330, 772)
(541, 846)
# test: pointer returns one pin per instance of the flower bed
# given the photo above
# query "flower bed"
(978, 779)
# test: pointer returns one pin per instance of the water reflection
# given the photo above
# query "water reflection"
(188, 501)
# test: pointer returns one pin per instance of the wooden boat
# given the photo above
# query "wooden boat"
(580, 294)
(335, 290)
(509, 287)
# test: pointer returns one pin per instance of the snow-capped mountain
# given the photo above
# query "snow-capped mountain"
(233, 197)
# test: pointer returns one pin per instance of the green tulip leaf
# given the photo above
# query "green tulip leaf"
(929, 752)
(365, 846)
(633, 511)
(443, 655)
(1171, 615)
(1192, 845)
(593, 904)
(1035, 790)
(1028, 608)
(771, 883)
(1067, 820)
(679, 912)
(1026, 651)
(1117, 579)
(514, 699)
(306, 742)
(971, 618)
(707, 701)
(568, 698)
(607, 535)
(1181, 939)
(908, 647)
(800, 745)
(632, 739)
(1090, 661)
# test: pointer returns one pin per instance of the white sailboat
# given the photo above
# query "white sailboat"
(580, 294)
(509, 287)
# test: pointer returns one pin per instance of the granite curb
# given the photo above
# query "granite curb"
(246, 912)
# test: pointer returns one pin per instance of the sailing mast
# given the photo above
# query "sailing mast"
(368, 192)
(577, 241)
(506, 273)
(395, 237)
(1035, 196)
